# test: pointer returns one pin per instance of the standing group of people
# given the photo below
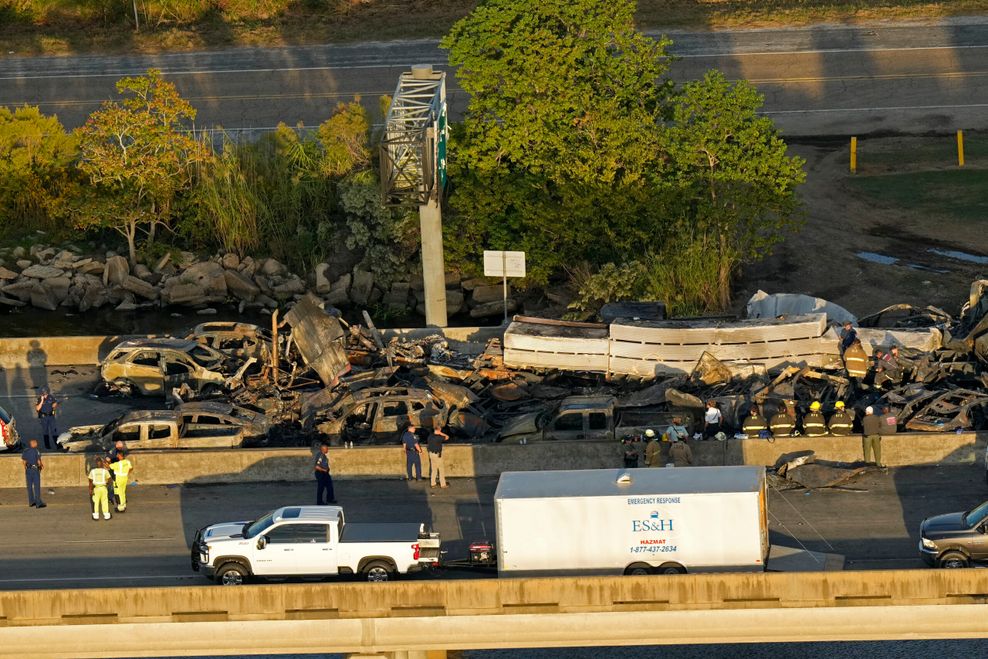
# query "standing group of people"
(675, 435)
(413, 455)
(886, 368)
(113, 469)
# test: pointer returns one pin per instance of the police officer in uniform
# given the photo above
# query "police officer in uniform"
(324, 481)
(841, 421)
(32, 474)
(814, 424)
(755, 424)
(783, 423)
(45, 407)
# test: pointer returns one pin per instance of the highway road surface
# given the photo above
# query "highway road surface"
(816, 81)
(874, 523)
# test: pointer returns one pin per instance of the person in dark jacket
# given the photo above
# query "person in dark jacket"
(847, 336)
(841, 421)
(783, 422)
(681, 454)
(871, 441)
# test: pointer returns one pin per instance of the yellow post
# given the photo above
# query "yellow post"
(854, 155)
(960, 148)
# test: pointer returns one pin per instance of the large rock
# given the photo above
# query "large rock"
(240, 286)
(230, 261)
(490, 309)
(208, 276)
(24, 263)
(397, 296)
(141, 271)
(42, 298)
(64, 259)
(248, 266)
(20, 289)
(7, 275)
(58, 287)
(362, 286)
(42, 272)
(339, 294)
(94, 298)
(454, 301)
(91, 268)
(273, 268)
(186, 294)
(470, 284)
(323, 284)
(10, 302)
(115, 270)
(293, 286)
(19, 252)
(139, 287)
(484, 294)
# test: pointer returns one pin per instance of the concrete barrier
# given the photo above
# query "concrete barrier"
(43, 351)
(479, 460)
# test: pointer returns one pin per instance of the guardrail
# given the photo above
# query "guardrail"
(350, 617)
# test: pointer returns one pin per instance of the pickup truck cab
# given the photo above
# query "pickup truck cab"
(311, 541)
(955, 540)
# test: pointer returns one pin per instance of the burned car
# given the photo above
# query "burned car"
(156, 366)
(375, 415)
(241, 340)
(193, 425)
(8, 432)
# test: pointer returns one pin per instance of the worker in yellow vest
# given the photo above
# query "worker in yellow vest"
(121, 469)
(814, 424)
(99, 478)
(856, 361)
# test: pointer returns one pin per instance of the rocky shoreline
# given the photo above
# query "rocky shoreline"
(52, 278)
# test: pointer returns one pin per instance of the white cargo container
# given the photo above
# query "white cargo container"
(634, 521)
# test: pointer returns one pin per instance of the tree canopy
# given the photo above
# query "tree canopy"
(577, 148)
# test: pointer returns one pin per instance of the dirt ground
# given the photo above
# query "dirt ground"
(847, 214)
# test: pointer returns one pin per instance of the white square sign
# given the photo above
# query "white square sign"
(504, 264)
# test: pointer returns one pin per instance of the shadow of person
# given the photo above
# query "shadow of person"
(37, 362)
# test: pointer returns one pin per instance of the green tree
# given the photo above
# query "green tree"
(345, 139)
(36, 154)
(560, 142)
(139, 156)
(735, 183)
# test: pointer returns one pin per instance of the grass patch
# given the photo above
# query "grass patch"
(77, 26)
(958, 194)
(904, 154)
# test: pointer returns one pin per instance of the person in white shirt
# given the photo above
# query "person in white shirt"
(712, 420)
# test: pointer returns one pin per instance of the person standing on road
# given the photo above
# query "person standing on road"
(33, 465)
(712, 420)
(121, 468)
(99, 477)
(324, 481)
(653, 450)
(681, 454)
(45, 407)
(871, 441)
(436, 468)
(413, 453)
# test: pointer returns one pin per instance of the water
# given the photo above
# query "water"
(883, 259)
(960, 256)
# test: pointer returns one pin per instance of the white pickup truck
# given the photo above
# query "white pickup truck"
(311, 541)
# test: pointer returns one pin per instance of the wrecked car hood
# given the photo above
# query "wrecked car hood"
(319, 338)
(525, 424)
(80, 437)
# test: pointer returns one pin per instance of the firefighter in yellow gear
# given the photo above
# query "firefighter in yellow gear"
(841, 421)
(121, 469)
(814, 424)
(99, 477)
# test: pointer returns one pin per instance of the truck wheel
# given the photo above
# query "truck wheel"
(952, 559)
(638, 570)
(671, 568)
(378, 571)
(231, 574)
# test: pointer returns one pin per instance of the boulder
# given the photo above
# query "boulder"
(115, 270)
(58, 287)
(484, 294)
(42, 298)
(185, 259)
(323, 284)
(470, 284)
(209, 277)
(397, 296)
(293, 286)
(240, 286)
(139, 287)
(65, 257)
(20, 289)
(94, 298)
(230, 261)
(42, 272)
(263, 283)
(248, 266)
(454, 301)
(361, 287)
(266, 301)
(142, 272)
(24, 263)
(416, 283)
(7, 275)
(490, 309)
(92, 268)
(184, 293)
(126, 305)
(19, 252)
(452, 279)
(78, 263)
(10, 302)
(272, 267)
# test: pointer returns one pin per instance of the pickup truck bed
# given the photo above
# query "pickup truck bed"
(380, 532)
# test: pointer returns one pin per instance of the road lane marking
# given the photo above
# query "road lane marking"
(890, 108)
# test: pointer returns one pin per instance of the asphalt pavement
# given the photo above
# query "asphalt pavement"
(820, 80)
(873, 522)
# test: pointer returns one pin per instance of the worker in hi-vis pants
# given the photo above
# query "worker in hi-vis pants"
(99, 477)
(121, 468)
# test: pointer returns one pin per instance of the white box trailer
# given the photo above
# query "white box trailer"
(632, 521)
